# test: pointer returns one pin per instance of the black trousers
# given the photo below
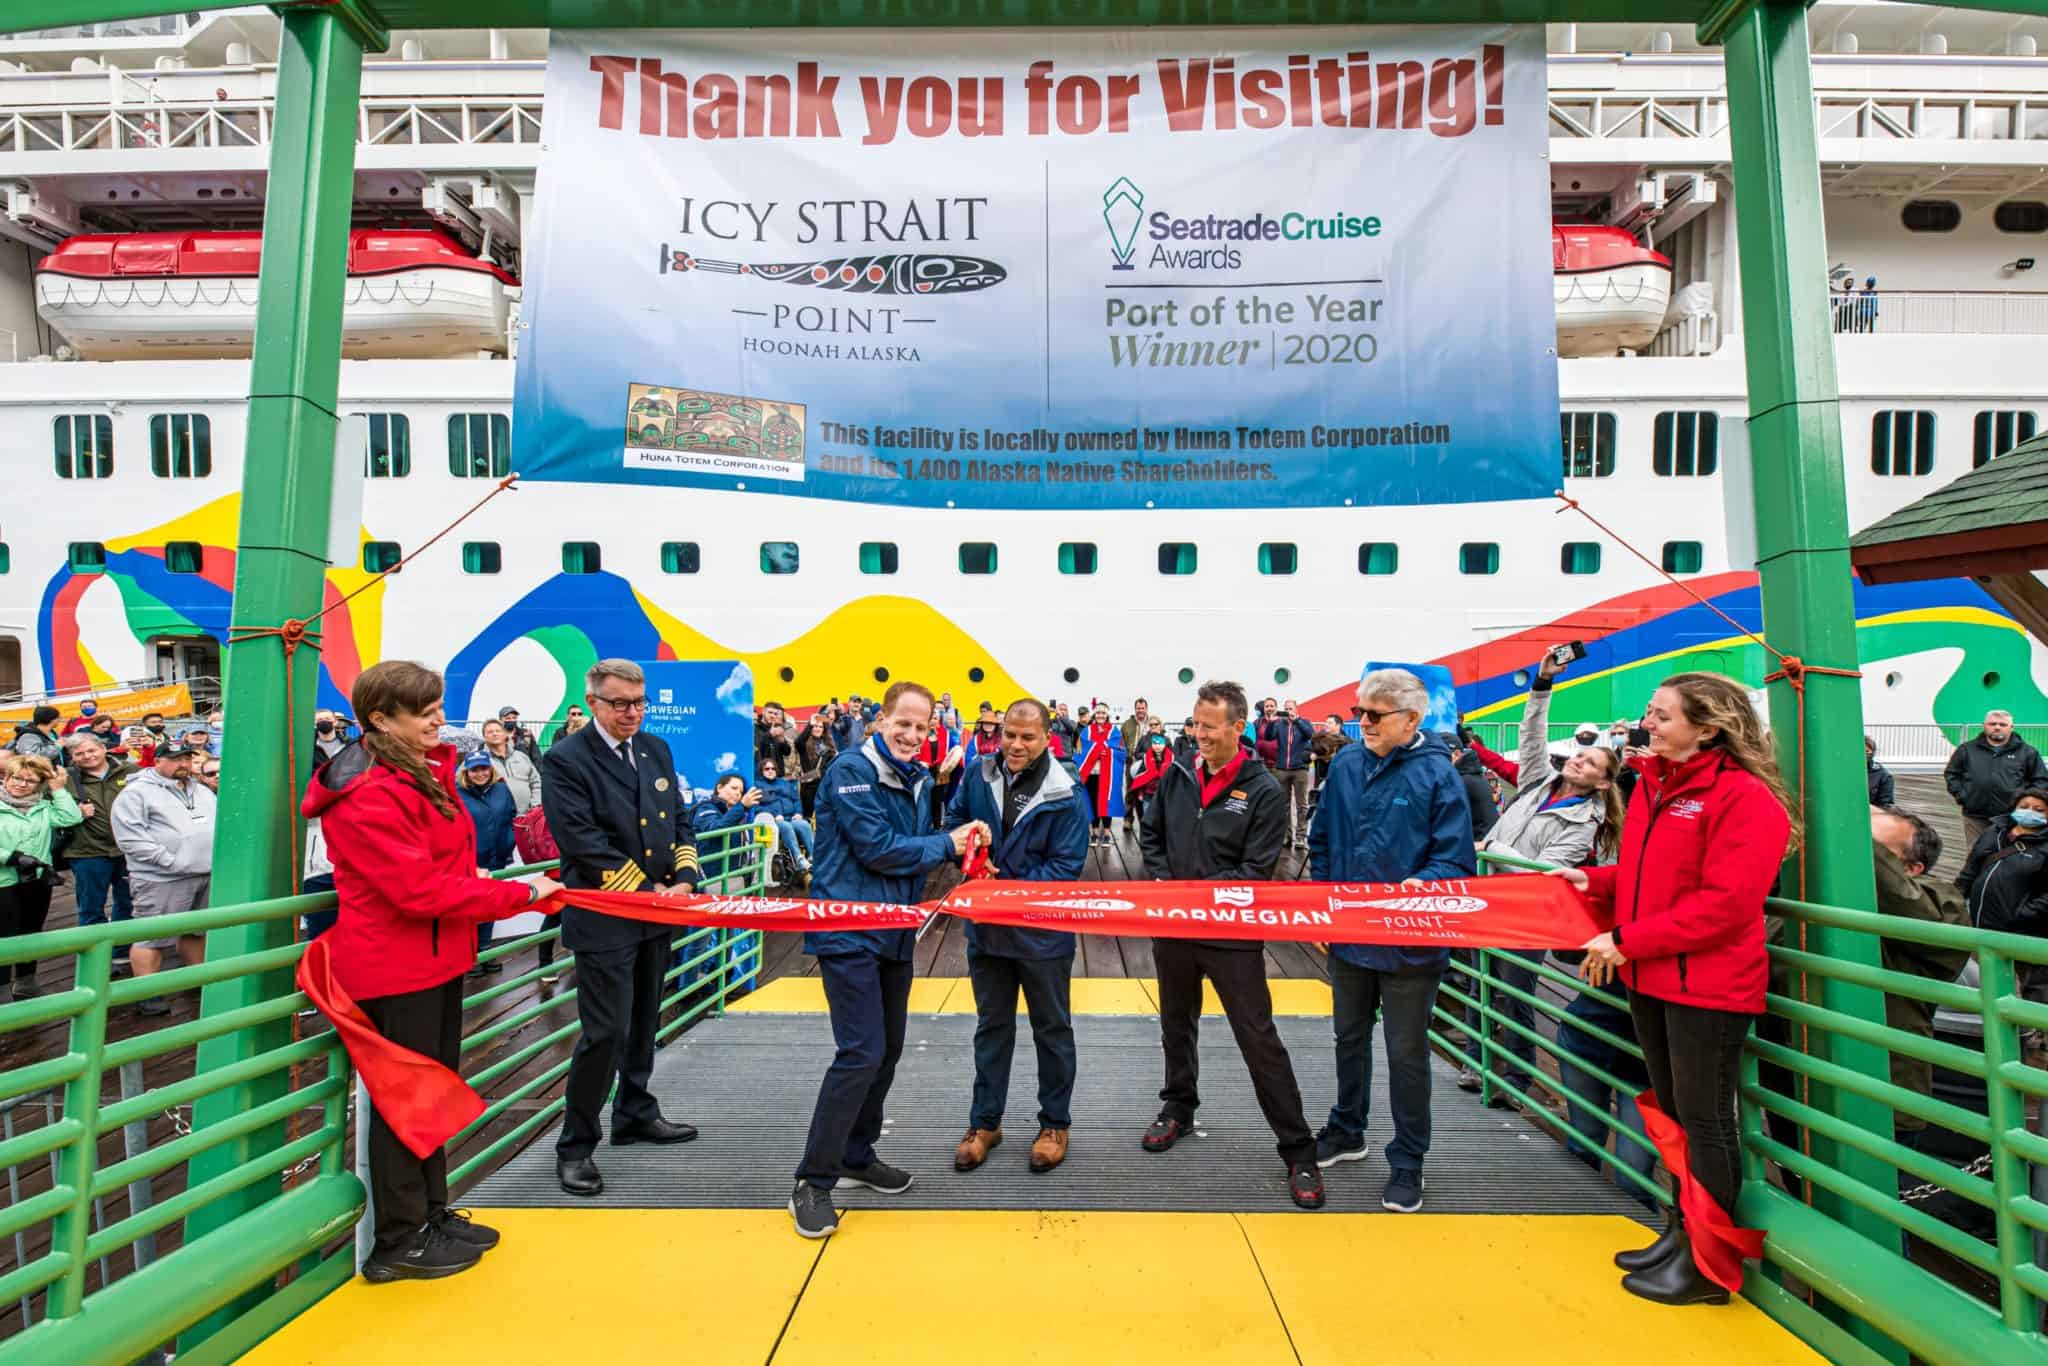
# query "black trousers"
(1693, 1054)
(869, 1000)
(23, 909)
(405, 1191)
(1240, 979)
(618, 999)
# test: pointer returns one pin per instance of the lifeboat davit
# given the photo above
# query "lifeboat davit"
(411, 293)
(1611, 291)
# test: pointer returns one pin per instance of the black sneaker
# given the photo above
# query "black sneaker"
(1164, 1132)
(1333, 1147)
(1468, 1080)
(25, 989)
(1305, 1185)
(877, 1176)
(457, 1225)
(1404, 1192)
(428, 1254)
(813, 1212)
(155, 1005)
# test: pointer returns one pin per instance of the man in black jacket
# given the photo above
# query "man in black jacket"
(616, 809)
(1985, 774)
(1221, 817)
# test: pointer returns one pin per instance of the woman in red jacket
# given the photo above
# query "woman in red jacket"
(1707, 828)
(411, 897)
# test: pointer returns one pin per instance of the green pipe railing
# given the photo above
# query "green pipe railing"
(71, 1314)
(1818, 1274)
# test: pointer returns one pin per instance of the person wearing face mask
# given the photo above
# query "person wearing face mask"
(1150, 759)
(1986, 773)
(34, 804)
(328, 740)
(2006, 876)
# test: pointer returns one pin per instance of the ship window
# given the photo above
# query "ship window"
(85, 446)
(380, 557)
(1998, 431)
(1077, 557)
(1278, 557)
(390, 452)
(1931, 215)
(2021, 215)
(681, 557)
(779, 557)
(482, 557)
(1902, 442)
(1580, 557)
(977, 557)
(1176, 557)
(184, 557)
(1687, 445)
(582, 557)
(479, 445)
(1379, 557)
(878, 557)
(6, 558)
(1479, 557)
(1682, 557)
(88, 557)
(1588, 440)
(180, 445)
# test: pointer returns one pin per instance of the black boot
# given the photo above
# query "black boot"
(1675, 1280)
(1642, 1259)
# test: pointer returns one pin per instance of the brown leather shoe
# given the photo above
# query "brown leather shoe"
(975, 1148)
(1050, 1150)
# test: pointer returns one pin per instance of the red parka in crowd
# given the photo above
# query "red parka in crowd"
(1701, 846)
(405, 876)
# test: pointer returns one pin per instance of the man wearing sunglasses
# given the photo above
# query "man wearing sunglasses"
(618, 811)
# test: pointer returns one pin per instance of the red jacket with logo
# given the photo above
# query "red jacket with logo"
(405, 876)
(1701, 846)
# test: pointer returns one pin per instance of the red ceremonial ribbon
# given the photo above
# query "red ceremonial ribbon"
(417, 1096)
(1719, 1244)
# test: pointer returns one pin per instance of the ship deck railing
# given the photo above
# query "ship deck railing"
(92, 1266)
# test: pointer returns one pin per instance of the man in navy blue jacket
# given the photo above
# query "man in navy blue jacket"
(1393, 810)
(1290, 736)
(874, 844)
(1037, 808)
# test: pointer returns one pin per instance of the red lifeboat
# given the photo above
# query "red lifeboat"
(1611, 291)
(411, 293)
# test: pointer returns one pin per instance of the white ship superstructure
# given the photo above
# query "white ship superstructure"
(1934, 148)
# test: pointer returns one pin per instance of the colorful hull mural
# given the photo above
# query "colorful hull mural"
(1984, 659)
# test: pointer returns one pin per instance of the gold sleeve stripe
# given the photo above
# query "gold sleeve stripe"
(626, 879)
(685, 856)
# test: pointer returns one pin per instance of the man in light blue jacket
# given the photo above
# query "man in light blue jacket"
(1393, 810)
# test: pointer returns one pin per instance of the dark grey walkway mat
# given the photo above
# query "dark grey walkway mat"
(748, 1081)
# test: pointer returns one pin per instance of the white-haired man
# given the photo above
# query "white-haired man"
(1986, 773)
(1393, 810)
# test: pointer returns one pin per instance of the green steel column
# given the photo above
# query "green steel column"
(1795, 438)
(281, 566)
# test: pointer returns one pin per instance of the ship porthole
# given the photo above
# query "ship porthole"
(975, 674)
(1187, 675)
(1521, 678)
(786, 674)
(1282, 675)
(1072, 675)
(1892, 680)
(1991, 679)
(881, 674)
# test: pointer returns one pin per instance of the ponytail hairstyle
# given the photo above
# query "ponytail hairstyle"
(400, 686)
(1722, 703)
(1607, 840)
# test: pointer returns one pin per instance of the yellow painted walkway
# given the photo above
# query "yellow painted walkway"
(946, 1287)
(1091, 996)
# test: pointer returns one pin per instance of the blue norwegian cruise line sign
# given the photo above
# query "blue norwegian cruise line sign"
(1053, 270)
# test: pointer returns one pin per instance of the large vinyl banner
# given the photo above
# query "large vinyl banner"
(1063, 269)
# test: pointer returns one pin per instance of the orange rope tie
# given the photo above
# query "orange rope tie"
(1791, 670)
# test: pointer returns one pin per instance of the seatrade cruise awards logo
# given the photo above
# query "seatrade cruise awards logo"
(1123, 208)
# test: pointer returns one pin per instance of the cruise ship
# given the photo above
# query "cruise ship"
(133, 159)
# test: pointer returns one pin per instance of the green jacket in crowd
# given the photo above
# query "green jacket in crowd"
(1937, 902)
(29, 832)
(94, 837)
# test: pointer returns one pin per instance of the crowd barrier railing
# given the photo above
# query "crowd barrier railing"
(95, 1148)
(1967, 1179)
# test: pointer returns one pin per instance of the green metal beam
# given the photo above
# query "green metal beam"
(1802, 520)
(281, 569)
(361, 17)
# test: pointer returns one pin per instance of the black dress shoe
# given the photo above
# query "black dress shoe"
(579, 1176)
(652, 1131)
(1642, 1259)
(1675, 1280)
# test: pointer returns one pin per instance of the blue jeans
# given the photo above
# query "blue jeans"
(95, 878)
(869, 998)
(1587, 1097)
(1047, 987)
(1406, 998)
(1514, 969)
(319, 922)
